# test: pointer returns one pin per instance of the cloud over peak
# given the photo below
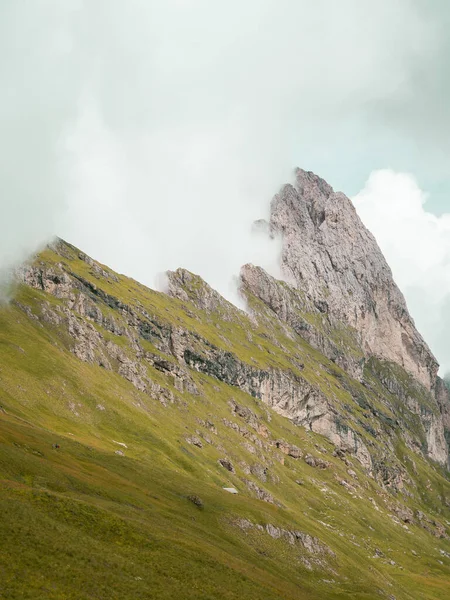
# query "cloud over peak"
(416, 244)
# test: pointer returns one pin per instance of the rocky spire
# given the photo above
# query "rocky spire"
(336, 261)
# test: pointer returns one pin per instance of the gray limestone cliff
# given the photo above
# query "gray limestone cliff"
(340, 272)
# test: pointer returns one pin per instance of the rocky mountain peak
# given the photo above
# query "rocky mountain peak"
(311, 186)
(332, 258)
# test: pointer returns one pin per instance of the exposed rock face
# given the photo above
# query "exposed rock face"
(443, 400)
(337, 263)
(287, 393)
(342, 345)
(436, 443)
(333, 306)
(185, 286)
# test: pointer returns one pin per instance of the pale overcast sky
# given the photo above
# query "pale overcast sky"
(151, 133)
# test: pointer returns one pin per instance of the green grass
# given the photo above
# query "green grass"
(82, 522)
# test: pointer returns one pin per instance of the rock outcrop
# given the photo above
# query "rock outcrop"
(340, 343)
(443, 399)
(338, 268)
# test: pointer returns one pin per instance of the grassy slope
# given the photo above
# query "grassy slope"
(82, 522)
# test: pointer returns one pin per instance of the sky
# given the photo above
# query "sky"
(152, 133)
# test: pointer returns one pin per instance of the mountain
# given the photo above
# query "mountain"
(171, 445)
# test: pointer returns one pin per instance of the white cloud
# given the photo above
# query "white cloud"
(416, 245)
(151, 133)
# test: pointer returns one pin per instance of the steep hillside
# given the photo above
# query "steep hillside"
(126, 413)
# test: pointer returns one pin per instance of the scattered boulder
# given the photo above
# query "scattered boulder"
(348, 486)
(259, 471)
(340, 452)
(295, 452)
(310, 460)
(207, 439)
(289, 449)
(404, 513)
(431, 525)
(260, 493)
(196, 500)
(226, 464)
(245, 413)
(194, 441)
(314, 461)
(208, 424)
(249, 447)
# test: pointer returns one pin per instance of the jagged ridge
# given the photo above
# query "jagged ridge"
(170, 399)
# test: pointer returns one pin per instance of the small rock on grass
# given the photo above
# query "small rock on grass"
(196, 500)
